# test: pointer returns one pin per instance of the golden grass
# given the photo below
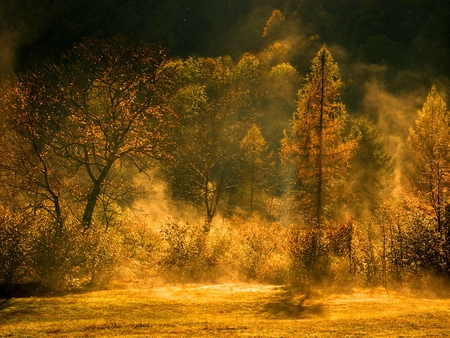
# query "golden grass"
(224, 310)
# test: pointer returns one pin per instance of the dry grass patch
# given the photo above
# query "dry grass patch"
(224, 310)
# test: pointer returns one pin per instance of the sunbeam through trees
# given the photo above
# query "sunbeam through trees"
(234, 142)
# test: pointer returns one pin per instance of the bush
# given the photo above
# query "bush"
(259, 250)
(59, 256)
(216, 256)
(423, 254)
(367, 255)
(310, 256)
(17, 238)
(142, 245)
(182, 251)
(233, 249)
(103, 255)
(35, 250)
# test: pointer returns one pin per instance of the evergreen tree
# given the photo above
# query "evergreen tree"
(372, 169)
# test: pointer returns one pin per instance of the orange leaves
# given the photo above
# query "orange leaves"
(72, 122)
(317, 147)
(429, 160)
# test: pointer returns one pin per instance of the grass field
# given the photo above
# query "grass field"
(224, 310)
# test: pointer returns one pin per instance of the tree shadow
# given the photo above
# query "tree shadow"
(37, 289)
(5, 302)
(291, 303)
(20, 290)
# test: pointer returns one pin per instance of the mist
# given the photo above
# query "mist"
(187, 200)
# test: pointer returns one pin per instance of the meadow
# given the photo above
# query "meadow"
(225, 310)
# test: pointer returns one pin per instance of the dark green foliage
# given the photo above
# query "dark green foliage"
(372, 169)
(419, 28)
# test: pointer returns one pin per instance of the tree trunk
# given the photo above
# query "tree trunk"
(93, 197)
(320, 156)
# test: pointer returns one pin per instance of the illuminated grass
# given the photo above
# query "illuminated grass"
(226, 310)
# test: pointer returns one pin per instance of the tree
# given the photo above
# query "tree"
(316, 147)
(74, 125)
(117, 113)
(429, 167)
(372, 169)
(273, 25)
(429, 156)
(207, 101)
(257, 179)
(31, 176)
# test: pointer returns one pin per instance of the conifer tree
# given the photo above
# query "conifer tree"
(317, 148)
(429, 168)
(429, 148)
(372, 170)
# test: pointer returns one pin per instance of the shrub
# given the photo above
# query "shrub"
(103, 254)
(216, 258)
(182, 250)
(142, 244)
(58, 255)
(423, 254)
(310, 256)
(233, 249)
(17, 238)
(259, 250)
(367, 255)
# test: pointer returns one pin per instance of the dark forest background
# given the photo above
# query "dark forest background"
(409, 39)
(404, 34)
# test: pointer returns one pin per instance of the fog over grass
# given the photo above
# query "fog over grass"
(190, 205)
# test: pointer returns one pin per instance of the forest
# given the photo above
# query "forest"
(288, 142)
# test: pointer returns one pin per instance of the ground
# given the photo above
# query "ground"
(225, 310)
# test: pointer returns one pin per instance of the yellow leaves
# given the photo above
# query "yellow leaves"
(286, 148)
(276, 53)
(248, 68)
(431, 131)
(428, 145)
(253, 142)
(190, 99)
(273, 23)
(283, 72)
(317, 147)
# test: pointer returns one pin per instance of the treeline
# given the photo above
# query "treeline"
(290, 188)
(404, 34)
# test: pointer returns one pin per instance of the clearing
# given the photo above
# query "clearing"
(224, 310)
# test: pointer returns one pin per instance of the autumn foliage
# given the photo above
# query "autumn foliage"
(208, 132)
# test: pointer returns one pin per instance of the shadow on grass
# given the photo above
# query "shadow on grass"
(292, 304)
(20, 290)
(37, 289)
(4, 303)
